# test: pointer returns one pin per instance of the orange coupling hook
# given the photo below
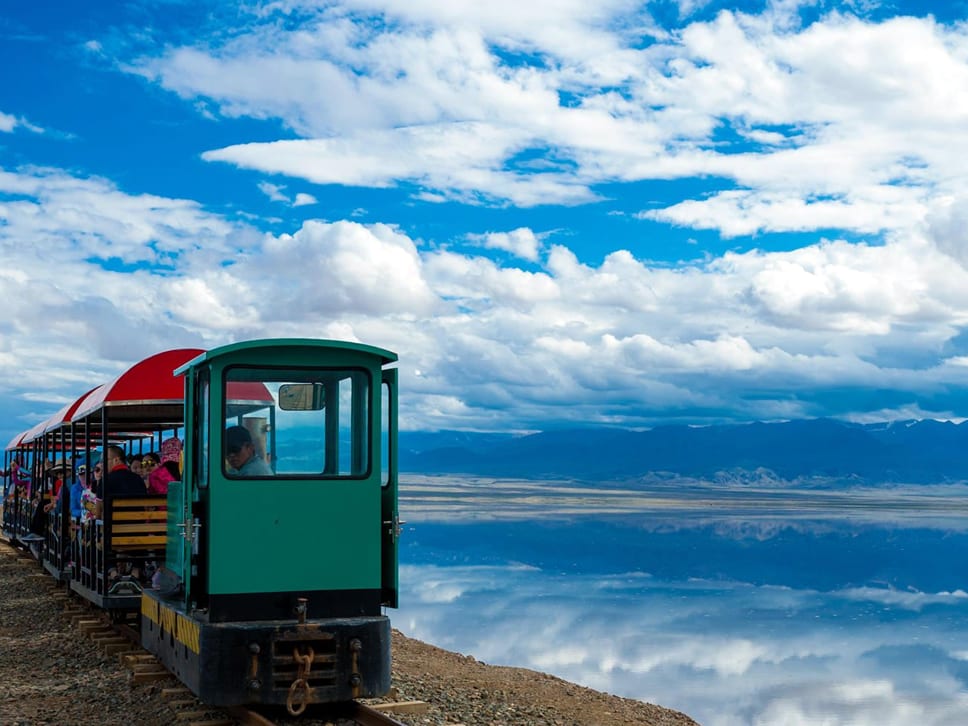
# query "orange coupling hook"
(301, 684)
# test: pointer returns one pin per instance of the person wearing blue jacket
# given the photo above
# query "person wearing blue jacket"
(77, 488)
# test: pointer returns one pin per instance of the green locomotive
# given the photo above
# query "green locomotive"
(276, 573)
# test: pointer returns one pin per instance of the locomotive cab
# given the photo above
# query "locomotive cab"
(281, 543)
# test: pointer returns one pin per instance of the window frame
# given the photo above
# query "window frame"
(312, 373)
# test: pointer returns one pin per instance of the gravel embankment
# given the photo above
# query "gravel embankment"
(52, 674)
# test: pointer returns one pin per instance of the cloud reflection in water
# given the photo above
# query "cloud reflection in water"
(855, 619)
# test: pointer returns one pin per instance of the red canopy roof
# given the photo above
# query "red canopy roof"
(65, 414)
(16, 441)
(150, 381)
(33, 432)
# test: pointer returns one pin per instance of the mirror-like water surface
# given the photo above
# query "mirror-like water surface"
(736, 607)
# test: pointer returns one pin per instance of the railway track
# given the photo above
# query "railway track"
(121, 639)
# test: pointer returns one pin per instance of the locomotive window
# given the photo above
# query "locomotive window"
(296, 423)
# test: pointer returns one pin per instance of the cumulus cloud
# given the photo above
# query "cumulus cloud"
(338, 268)
(522, 242)
(76, 218)
(523, 341)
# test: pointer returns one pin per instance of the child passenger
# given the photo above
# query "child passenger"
(158, 476)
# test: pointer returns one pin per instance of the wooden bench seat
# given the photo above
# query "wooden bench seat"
(138, 523)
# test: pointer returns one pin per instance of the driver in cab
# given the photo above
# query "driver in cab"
(240, 454)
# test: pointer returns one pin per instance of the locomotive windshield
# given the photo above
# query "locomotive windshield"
(294, 423)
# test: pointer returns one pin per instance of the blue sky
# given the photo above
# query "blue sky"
(557, 213)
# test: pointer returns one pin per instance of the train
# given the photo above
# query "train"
(263, 574)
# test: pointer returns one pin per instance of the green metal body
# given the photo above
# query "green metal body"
(291, 536)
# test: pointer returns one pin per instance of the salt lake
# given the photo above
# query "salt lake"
(736, 605)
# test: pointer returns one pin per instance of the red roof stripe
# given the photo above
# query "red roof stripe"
(151, 380)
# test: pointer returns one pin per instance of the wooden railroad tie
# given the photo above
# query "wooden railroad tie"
(147, 676)
(146, 671)
(190, 715)
(402, 706)
(185, 703)
(170, 693)
(115, 648)
(94, 633)
(87, 624)
(129, 658)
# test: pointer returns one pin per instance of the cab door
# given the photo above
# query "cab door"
(178, 550)
(184, 527)
(388, 500)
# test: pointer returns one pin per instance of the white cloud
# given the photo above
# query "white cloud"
(859, 701)
(907, 599)
(273, 191)
(7, 122)
(302, 199)
(460, 160)
(736, 213)
(837, 123)
(521, 242)
(726, 653)
(511, 343)
(74, 219)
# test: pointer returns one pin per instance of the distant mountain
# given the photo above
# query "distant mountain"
(899, 451)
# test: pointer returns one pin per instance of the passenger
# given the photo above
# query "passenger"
(77, 491)
(77, 487)
(158, 476)
(240, 454)
(22, 478)
(19, 478)
(136, 464)
(171, 449)
(38, 520)
(89, 499)
(149, 462)
(57, 473)
(171, 456)
(119, 480)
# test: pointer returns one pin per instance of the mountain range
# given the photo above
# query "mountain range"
(914, 451)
